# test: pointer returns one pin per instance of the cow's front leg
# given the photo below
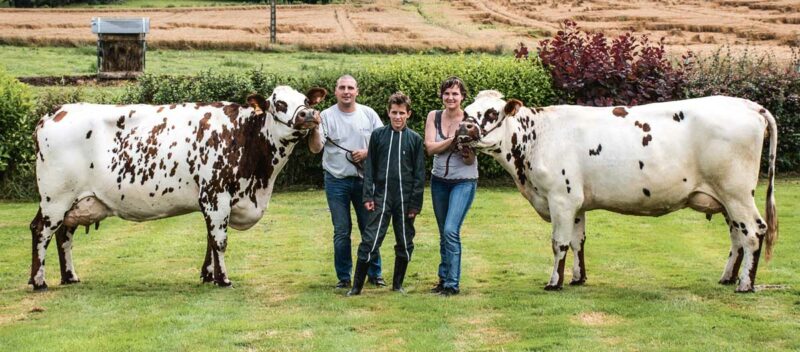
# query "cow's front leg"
(207, 270)
(577, 244)
(563, 221)
(216, 210)
(64, 236)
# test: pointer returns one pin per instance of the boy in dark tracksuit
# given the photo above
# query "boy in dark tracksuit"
(394, 179)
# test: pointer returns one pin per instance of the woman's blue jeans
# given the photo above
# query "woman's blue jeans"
(451, 202)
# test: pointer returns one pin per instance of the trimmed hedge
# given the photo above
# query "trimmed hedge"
(418, 78)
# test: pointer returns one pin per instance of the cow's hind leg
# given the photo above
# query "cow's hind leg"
(577, 244)
(64, 236)
(207, 270)
(217, 213)
(748, 227)
(563, 225)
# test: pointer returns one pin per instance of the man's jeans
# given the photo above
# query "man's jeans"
(451, 201)
(341, 192)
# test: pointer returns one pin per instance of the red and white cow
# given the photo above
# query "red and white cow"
(145, 162)
(644, 160)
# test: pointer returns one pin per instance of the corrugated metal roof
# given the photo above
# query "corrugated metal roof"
(120, 25)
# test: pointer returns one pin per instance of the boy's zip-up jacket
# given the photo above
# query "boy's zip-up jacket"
(394, 170)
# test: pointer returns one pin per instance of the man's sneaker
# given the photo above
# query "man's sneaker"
(438, 288)
(343, 284)
(449, 291)
(377, 281)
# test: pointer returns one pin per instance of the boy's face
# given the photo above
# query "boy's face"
(398, 114)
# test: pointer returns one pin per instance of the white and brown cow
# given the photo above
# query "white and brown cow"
(645, 160)
(145, 162)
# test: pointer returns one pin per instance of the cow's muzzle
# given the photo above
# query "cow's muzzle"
(306, 119)
(468, 132)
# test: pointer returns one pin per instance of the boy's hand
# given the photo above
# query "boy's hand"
(370, 206)
(412, 213)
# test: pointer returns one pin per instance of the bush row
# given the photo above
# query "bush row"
(756, 77)
(418, 78)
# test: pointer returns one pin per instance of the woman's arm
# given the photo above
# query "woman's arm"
(431, 145)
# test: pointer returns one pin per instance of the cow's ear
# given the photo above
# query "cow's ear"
(512, 107)
(258, 103)
(316, 95)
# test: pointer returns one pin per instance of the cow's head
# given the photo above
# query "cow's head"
(289, 107)
(484, 115)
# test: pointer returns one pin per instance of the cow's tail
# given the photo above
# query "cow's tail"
(772, 215)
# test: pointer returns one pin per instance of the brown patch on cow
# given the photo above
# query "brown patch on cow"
(217, 104)
(204, 125)
(646, 192)
(645, 127)
(620, 112)
(89, 134)
(281, 106)
(121, 122)
(173, 106)
(59, 116)
(678, 117)
(646, 140)
(232, 111)
(641, 165)
(160, 109)
(519, 159)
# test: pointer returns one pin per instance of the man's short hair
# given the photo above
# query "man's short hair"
(399, 98)
(453, 81)
(346, 77)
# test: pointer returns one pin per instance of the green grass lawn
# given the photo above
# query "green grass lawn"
(56, 61)
(652, 286)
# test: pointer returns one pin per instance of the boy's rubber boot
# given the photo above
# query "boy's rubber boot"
(400, 266)
(358, 278)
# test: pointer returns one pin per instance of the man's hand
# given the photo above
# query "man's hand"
(412, 213)
(359, 155)
(370, 206)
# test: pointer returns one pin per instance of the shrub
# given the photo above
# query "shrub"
(760, 78)
(16, 124)
(629, 71)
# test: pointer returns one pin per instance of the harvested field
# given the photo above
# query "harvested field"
(459, 25)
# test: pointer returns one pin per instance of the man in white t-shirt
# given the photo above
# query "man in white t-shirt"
(343, 135)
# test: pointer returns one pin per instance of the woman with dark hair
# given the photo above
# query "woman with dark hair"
(453, 182)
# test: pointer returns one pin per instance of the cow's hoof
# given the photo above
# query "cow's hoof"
(577, 282)
(223, 283)
(552, 288)
(30, 281)
(70, 281)
(40, 288)
(745, 290)
(727, 282)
